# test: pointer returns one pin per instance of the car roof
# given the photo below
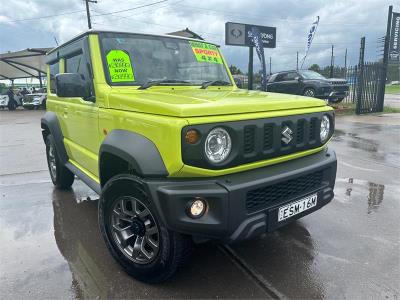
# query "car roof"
(95, 31)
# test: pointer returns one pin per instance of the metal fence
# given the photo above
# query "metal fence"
(365, 81)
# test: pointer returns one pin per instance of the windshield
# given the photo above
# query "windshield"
(134, 59)
(311, 75)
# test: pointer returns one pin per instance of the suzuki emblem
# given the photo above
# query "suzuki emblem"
(287, 135)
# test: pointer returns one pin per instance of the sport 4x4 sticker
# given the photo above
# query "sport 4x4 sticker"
(119, 66)
(206, 52)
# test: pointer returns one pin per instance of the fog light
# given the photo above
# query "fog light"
(197, 208)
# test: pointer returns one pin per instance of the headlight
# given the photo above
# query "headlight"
(325, 128)
(218, 145)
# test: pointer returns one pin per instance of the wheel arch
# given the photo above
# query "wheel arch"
(50, 125)
(124, 151)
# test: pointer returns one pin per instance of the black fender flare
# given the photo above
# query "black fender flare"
(50, 122)
(140, 152)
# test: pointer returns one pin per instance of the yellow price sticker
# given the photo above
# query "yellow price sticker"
(206, 52)
(119, 66)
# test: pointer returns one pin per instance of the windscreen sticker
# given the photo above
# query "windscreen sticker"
(119, 66)
(206, 52)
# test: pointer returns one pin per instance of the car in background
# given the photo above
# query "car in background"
(4, 100)
(308, 83)
(35, 100)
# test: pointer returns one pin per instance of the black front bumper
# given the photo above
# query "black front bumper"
(246, 204)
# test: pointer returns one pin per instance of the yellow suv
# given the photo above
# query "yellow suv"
(157, 127)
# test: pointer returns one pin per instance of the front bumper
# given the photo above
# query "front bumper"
(240, 206)
(332, 92)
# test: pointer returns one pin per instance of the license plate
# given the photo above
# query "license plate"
(294, 208)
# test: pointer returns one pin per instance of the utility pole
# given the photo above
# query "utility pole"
(381, 95)
(270, 65)
(331, 71)
(89, 23)
(345, 60)
(250, 70)
(297, 61)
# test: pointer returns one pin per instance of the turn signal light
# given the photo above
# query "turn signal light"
(192, 136)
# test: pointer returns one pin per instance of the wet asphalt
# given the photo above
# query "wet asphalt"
(50, 246)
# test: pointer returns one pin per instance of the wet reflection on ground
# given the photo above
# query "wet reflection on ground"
(50, 245)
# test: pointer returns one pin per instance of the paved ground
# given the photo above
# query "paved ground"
(392, 100)
(50, 245)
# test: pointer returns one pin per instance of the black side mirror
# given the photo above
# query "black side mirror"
(71, 85)
(298, 78)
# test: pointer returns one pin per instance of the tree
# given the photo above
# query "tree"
(235, 70)
(315, 67)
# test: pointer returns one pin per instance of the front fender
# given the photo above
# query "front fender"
(140, 152)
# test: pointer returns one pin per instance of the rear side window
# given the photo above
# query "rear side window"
(54, 70)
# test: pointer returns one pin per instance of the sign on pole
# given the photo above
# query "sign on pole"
(394, 50)
(237, 34)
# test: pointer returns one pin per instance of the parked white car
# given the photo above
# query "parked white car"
(4, 100)
(36, 100)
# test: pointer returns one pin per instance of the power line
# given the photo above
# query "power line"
(129, 9)
(49, 16)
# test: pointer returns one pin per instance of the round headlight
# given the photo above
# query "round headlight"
(325, 128)
(218, 145)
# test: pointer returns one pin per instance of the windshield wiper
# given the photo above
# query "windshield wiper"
(206, 84)
(150, 83)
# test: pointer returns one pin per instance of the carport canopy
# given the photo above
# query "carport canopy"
(26, 63)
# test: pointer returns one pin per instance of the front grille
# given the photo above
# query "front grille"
(28, 98)
(258, 139)
(286, 190)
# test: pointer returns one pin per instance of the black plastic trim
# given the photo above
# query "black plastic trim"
(227, 218)
(194, 155)
(85, 178)
(50, 121)
(140, 152)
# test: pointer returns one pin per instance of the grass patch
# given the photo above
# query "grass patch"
(392, 89)
(350, 109)
(390, 110)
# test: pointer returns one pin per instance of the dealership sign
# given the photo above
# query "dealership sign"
(237, 34)
(394, 50)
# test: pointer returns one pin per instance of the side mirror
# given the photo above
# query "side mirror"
(297, 78)
(71, 85)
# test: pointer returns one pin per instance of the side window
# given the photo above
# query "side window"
(290, 76)
(272, 78)
(78, 64)
(54, 70)
(280, 77)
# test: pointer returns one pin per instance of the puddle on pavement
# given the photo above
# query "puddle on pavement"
(375, 192)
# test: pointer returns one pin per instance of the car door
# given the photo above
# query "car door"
(277, 86)
(290, 83)
(81, 115)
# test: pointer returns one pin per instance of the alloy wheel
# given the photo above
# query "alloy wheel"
(52, 162)
(134, 230)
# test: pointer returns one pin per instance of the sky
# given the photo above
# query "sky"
(42, 23)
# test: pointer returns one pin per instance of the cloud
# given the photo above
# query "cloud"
(342, 23)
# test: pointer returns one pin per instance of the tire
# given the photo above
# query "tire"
(161, 251)
(61, 177)
(12, 105)
(309, 92)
